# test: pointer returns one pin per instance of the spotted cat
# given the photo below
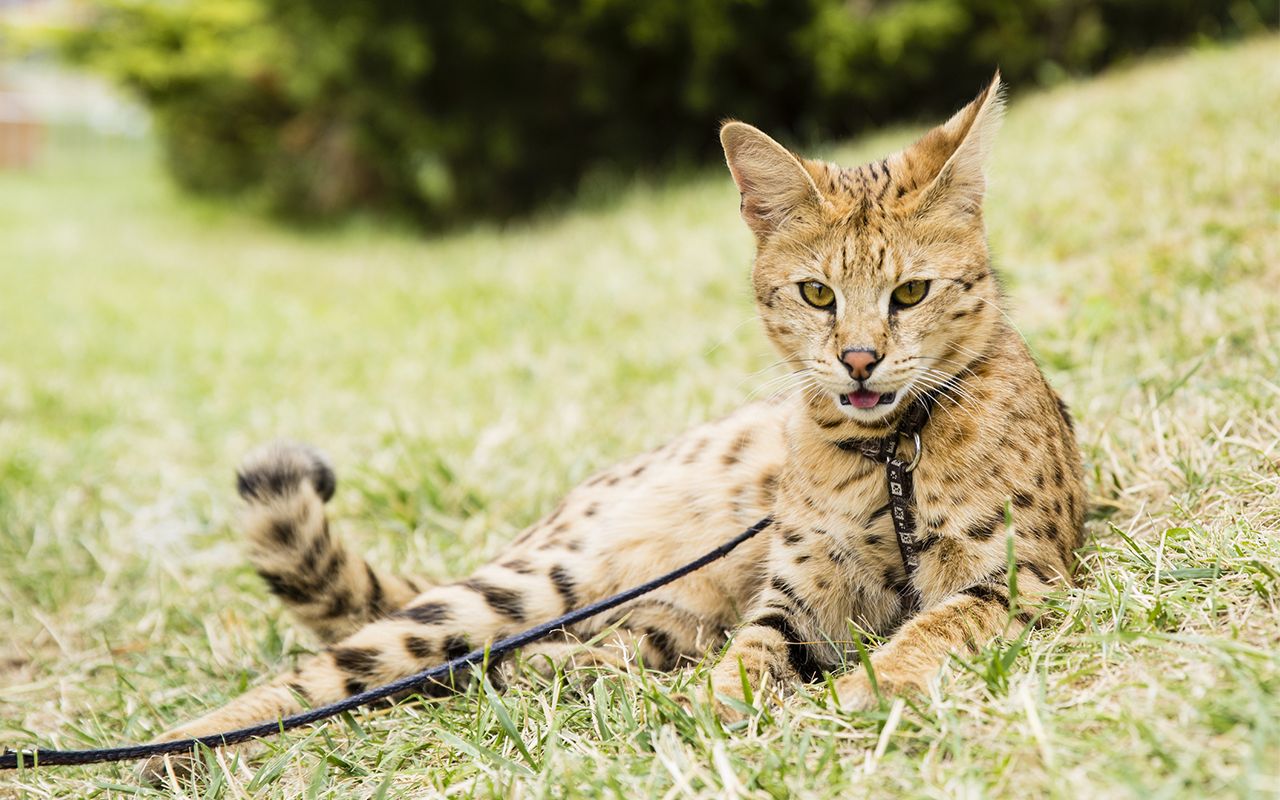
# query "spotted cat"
(875, 284)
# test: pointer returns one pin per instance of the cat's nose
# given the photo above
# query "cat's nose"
(860, 361)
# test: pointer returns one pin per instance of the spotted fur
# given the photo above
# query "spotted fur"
(999, 459)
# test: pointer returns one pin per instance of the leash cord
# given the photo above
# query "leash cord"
(41, 757)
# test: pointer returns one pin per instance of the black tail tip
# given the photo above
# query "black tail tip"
(278, 469)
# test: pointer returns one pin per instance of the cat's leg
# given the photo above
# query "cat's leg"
(655, 631)
(769, 654)
(965, 621)
(329, 589)
(779, 643)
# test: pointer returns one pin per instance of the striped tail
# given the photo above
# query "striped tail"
(328, 588)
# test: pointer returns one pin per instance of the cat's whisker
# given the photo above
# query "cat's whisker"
(809, 385)
(723, 339)
(782, 362)
(804, 365)
(955, 381)
(813, 393)
(775, 386)
(785, 385)
(944, 390)
(1006, 316)
(956, 406)
(803, 391)
(770, 381)
(969, 351)
(948, 384)
(959, 406)
(963, 366)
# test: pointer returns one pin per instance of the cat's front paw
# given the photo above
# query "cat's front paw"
(855, 692)
(728, 696)
(726, 708)
(727, 703)
(578, 666)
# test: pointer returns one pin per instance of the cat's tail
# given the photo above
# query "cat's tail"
(329, 589)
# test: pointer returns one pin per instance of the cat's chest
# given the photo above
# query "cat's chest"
(843, 487)
(843, 516)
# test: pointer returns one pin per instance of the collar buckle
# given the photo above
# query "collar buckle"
(915, 459)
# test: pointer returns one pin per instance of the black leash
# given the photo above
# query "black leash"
(41, 757)
(901, 489)
(901, 494)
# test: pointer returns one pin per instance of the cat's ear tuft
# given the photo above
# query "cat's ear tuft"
(950, 161)
(774, 185)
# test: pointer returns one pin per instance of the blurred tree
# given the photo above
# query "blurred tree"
(448, 109)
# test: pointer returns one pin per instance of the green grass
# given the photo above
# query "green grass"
(462, 384)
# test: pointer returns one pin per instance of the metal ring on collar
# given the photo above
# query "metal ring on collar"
(915, 459)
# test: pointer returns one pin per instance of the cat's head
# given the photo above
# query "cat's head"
(873, 282)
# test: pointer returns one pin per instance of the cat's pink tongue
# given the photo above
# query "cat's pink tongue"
(863, 399)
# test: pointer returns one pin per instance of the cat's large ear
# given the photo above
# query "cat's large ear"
(774, 185)
(949, 162)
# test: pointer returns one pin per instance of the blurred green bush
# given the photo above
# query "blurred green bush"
(443, 110)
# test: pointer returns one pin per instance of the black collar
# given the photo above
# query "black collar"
(885, 448)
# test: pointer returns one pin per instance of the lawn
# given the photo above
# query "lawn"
(462, 383)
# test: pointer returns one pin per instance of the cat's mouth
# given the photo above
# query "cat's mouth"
(864, 398)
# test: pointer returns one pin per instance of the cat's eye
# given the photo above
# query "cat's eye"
(910, 293)
(818, 295)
